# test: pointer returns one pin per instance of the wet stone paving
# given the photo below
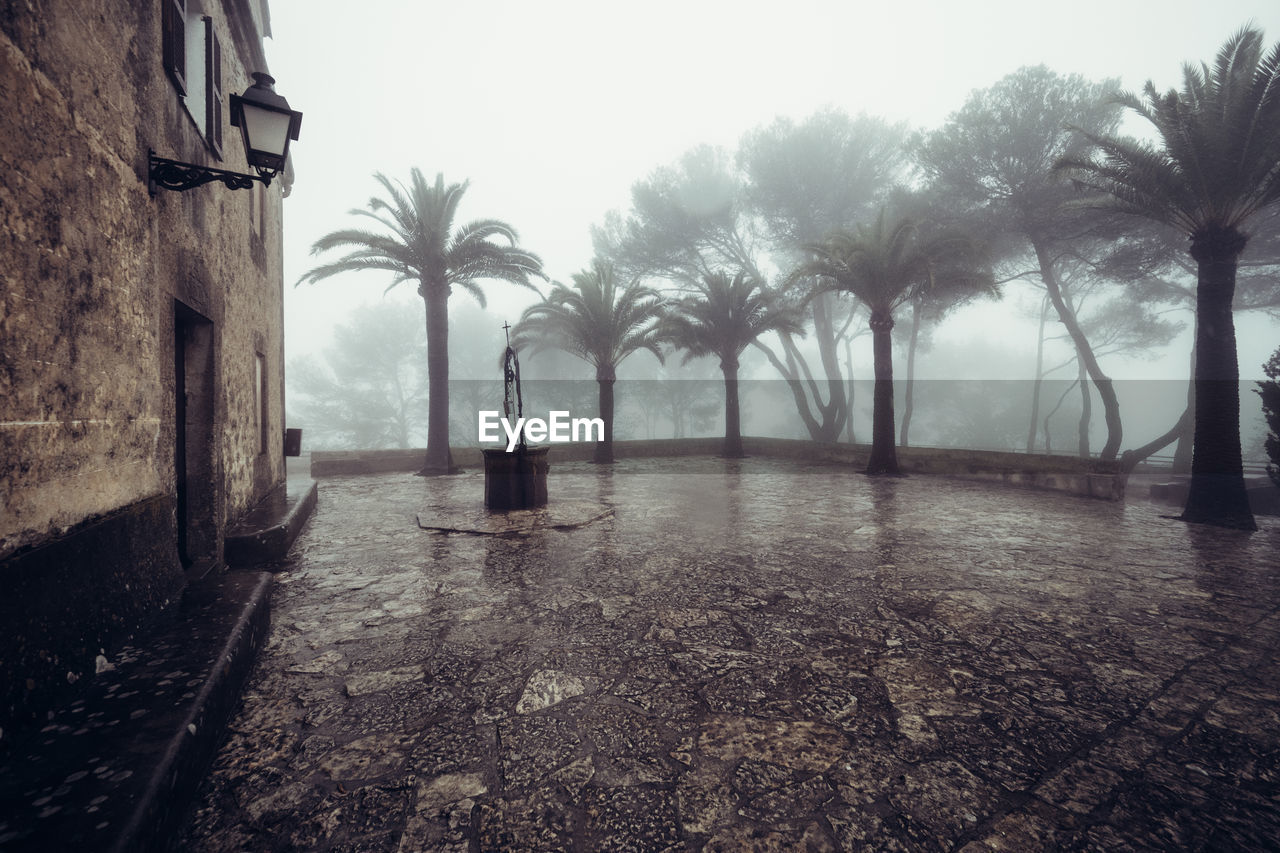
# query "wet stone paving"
(758, 655)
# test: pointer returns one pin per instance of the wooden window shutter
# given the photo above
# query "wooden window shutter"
(173, 25)
(213, 88)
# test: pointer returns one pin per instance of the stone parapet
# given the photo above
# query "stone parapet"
(1089, 478)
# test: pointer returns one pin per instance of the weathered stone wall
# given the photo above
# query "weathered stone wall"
(94, 274)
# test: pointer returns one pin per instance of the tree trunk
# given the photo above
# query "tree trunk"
(1035, 386)
(800, 379)
(1086, 411)
(884, 457)
(848, 363)
(1182, 453)
(1048, 436)
(911, 372)
(836, 410)
(1107, 393)
(439, 460)
(605, 377)
(732, 412)
(1217, 493)
(1131, 458)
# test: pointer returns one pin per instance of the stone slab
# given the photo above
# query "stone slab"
(267, 532)
(482, 522)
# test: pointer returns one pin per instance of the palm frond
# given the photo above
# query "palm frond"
(416, 241)
(1218, 161)
(595, 319)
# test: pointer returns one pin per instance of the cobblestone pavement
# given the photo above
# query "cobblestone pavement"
(759, 655)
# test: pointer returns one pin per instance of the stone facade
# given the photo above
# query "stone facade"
(141, 336)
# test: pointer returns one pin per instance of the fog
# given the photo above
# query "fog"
(553, 111)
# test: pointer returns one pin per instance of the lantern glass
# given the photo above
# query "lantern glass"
(266, 123)
(266, 136)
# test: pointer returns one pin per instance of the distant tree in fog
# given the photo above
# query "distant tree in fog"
(804, 179)
(721, 318)
(790, 183)
(368, 389)
(600, 323)
(1214, 170)
(686, 220)
(995, 157)
(417, 242)
(976, 415)
(476, 345)
(883, 265)
(685, 396)
(1116, 322)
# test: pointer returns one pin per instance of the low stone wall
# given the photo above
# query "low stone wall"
(333, 463)
(1085, 477)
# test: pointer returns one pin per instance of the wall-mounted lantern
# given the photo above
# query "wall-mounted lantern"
(266, 124)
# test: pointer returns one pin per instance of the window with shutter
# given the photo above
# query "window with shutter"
(193, 61)
(173, 25)
(213, 89)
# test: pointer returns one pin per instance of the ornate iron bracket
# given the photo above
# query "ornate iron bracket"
(176, 175)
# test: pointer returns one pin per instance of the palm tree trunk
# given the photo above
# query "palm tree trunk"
(1217, 493)
(1035, 386)
(1106, 392)
(605, 377)
(439, 460)
(884, 457)
(911, 372)
(732, 413)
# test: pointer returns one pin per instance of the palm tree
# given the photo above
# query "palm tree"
(421, 246)
(599, 323)
(722, 318)
(1217, 165)
(885, 266)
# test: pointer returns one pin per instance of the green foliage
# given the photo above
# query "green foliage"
(416, 241)
(1215, 166)
(686, 220)
(422, 245)
(829, 171)
(888, 263)
(595, 320)
(1269, 391)
(993, 159)
(724, 315)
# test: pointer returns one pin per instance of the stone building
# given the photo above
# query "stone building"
(141, 339)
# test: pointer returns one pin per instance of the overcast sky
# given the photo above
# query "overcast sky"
(553, 109)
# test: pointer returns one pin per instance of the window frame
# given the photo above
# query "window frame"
(192, 59)
(173, 25)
